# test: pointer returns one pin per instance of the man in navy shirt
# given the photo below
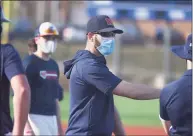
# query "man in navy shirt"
(32, 48)
(176, 97)
(92, 85)
(12, 72)
(43, 75)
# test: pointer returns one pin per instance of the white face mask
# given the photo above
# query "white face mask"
(48, 46)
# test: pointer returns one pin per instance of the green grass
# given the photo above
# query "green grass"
(132, 112)
(64, 107)
(135, 112)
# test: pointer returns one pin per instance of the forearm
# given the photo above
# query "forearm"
(59, 123)
(21, 103)
(137, 91)
(144, 92)
(118, 128)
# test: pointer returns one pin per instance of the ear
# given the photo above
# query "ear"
(36, 39)
(90, 36)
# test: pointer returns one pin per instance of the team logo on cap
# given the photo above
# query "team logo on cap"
(48, 28)
(108, 21)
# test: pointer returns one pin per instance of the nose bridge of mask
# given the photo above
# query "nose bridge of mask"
(103, 39)
(107, 39)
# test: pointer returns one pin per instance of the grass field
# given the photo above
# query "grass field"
(132, 112)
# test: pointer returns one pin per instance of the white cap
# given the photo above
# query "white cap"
(45, 29)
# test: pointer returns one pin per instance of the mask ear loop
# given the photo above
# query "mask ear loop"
(98, 40)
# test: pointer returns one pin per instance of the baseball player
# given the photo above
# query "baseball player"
(92, 85)
(32, 47)
(176, 97)
(12, 73)
(43, 76)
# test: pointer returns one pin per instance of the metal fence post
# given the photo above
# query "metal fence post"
(166, 57)
(54, 12)
(40, 12)
(116, 56)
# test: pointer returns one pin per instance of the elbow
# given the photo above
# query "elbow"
(24, 93)
(125, 94)
(137, 97)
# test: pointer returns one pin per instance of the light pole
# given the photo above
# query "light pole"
(117, 56)
(166, 53)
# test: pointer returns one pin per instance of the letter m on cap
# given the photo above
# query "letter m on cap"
(108, 21)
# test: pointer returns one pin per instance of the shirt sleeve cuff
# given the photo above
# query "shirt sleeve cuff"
(163, 119)
(112, 87)
(11, 73)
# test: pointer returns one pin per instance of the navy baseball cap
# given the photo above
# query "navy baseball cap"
(3, 19)
(102, 23)
(184, 52)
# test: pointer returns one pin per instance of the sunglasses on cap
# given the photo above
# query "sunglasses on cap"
(105, 34)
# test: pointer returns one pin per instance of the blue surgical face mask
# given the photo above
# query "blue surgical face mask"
(107, 46)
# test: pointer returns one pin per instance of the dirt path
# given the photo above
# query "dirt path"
(141, 131)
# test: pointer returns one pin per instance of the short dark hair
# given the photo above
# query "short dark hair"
(32, 46)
